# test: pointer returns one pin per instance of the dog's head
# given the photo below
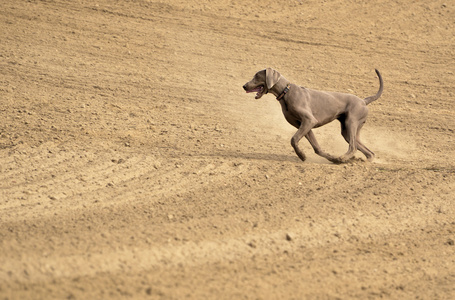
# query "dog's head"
(262, 82)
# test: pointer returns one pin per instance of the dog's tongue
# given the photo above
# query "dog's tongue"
(256, 90)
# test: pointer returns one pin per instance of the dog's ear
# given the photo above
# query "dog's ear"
(271, 77)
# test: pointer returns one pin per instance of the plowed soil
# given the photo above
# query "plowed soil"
(133, 164)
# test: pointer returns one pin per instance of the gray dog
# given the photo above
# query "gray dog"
(306, 109)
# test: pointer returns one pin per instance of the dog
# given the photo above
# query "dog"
(306, 109)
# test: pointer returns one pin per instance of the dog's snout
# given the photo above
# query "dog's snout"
(244, 86)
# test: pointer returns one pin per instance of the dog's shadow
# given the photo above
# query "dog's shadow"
(285, 158)
(266, 157)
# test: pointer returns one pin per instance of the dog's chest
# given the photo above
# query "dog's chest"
(288, 115)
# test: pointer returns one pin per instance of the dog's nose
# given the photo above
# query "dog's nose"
(244, 86)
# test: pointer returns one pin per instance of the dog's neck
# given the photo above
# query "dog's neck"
(280, 87)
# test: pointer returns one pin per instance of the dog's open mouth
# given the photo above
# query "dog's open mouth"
(259, 90)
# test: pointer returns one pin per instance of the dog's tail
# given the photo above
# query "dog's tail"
(370, 99)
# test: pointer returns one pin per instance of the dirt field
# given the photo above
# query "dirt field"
(133, 164)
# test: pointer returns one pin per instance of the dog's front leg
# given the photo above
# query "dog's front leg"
(307, 123)
(295, 144)
(317, 149)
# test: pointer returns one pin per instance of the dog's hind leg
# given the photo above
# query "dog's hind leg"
(367, 152)
(346, 133)
(360, 146)
(349, 132)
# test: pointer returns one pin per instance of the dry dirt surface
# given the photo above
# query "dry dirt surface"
(133, 164)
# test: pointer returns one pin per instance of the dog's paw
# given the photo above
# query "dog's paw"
(337, 160)
(371, 158)
(333, 159)
(342, 159)
(302, 157)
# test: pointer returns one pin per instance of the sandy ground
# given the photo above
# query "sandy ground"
(133, 164)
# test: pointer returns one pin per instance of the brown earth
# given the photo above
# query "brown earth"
(132, 163)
